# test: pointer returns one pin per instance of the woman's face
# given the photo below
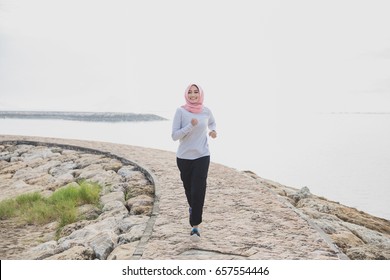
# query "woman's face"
(193, 94)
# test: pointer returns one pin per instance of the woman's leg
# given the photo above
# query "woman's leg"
(199, 174)
(185, 167)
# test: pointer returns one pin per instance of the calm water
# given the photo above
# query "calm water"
(343, 157)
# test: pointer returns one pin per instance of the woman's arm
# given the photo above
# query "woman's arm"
(178, 132)
(212, 126)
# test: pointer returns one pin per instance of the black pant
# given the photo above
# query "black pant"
(193, 173)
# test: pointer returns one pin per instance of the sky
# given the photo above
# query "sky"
(249, 56)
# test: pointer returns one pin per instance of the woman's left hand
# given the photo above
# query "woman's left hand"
(213, 134)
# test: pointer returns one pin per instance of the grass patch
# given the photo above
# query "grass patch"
(61, 206)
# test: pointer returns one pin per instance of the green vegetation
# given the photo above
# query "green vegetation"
(61, 206)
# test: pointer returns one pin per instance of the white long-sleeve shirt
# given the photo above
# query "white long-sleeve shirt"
(193, 139)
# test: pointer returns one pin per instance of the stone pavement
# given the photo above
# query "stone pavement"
(243, 219)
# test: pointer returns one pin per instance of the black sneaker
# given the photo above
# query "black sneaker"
(195, 235)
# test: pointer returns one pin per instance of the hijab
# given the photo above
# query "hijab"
(196, 107)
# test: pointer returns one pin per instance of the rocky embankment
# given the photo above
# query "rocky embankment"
(358, 234)
(108, 232)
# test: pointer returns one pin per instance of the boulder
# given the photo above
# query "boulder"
(103, 244)
(123, 251)
(140, 205)
(113, 196)
(127, 171)
(75, 253)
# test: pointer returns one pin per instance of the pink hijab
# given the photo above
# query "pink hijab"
(194, 107)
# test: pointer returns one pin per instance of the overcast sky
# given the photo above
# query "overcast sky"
(139, 56)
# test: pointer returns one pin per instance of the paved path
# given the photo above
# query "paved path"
(243, 219)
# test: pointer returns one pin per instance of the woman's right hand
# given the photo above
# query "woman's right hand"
(194, 122)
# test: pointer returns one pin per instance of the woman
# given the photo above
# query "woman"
(190, 126)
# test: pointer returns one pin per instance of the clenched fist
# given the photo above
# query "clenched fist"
(194, 122)
(213, 134)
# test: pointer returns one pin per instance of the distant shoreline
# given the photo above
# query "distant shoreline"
(360, 113)
(80, 116)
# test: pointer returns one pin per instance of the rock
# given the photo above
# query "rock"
(141, 210)
(79, 237)
(44, 250)
(38, 153)
(19, 149)
(114, 206)
(4, 177)
(103, 244)
(127, 172)
(106, 178)
(45, 166)
(63, 179)
(27, 173)
(108, 223)
(136, 179)
(11, 168)
(5, 156)
(140, 205)
(120, 187)
(345, 239)
(123, 251)
(352, 215)
(69, 229)
(75, 253)
(13, 188)
(368, 252)
(20, 184)
(328, 226)
(117, 210)
(301, 194)
(15, 159)
(46, 180)
(128, 222)
(62, 169)
(56, 150)
(134, 234)
(89, 212)
(113, 196)
(140, 200)
(88, 174)
(140, 189)
(86, 160)
(114, 165)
